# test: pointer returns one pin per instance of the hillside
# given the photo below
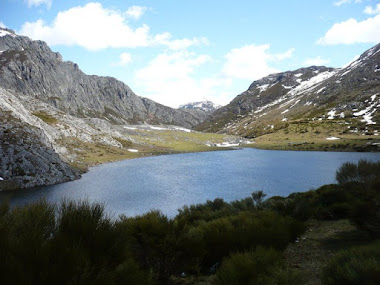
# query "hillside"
(32, 69)
(332, 102)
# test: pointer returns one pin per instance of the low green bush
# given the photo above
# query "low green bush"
(259, 266)
(152, 242)
(359, 265)
(222, 236)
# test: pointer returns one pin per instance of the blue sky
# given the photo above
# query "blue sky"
(175, 51)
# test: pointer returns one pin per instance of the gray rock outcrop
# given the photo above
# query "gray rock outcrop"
(27, 158)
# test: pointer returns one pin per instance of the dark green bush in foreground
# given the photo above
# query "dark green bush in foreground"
(360, 265)
(79, 245)
(168, 247)
(76, 243)
(259, 266)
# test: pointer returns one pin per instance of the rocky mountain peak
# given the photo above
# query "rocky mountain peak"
(206, 106)
(7, 32)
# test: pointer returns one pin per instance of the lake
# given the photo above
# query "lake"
(168, 182)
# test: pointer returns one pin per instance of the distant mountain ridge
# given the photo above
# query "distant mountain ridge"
(200, 109)
(312, 93)
(206, 106)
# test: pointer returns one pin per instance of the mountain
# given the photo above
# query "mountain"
(205, 106)
(55, 121)
(30, 68)
(200, 109)
(312, 96)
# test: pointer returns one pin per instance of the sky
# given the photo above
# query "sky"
(175, 51)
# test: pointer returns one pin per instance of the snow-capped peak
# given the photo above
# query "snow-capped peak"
(206, 106)
(6, 32)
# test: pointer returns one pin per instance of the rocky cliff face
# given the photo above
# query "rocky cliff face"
(27, 157)
(313, 93)
(32, 69)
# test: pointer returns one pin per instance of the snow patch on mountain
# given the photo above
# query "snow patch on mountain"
(263, 88)
(331, 114)
(368, 112)
(312, 83)
(4, 33)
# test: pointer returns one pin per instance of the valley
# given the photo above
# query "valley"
(50, 106)
(190, 142)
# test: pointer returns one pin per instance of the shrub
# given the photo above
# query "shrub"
(86, 245)
(25, 234)
(360, 265)
(259, 266)
(258, 198)
(152, 242)
(363, 172)
(75, 243)
(245, 230)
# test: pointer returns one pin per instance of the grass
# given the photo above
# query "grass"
(124, 143)
(48, 119)
(148, 143)
(311, 136)
(89, 154)
(180, 142)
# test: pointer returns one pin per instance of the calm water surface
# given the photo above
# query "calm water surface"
(168, 182)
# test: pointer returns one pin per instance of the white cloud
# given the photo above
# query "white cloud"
(316, 61)
(252, 62)
(166, 39)
(2, 25)
(135, 12)
(91, 26)
(174, 76)
(125, 58)
(352, 31)
(372, 11)
(173, 81)
(38, 3)
(94, 27)
(341, 2)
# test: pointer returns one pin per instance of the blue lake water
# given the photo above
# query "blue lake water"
(168, 182)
